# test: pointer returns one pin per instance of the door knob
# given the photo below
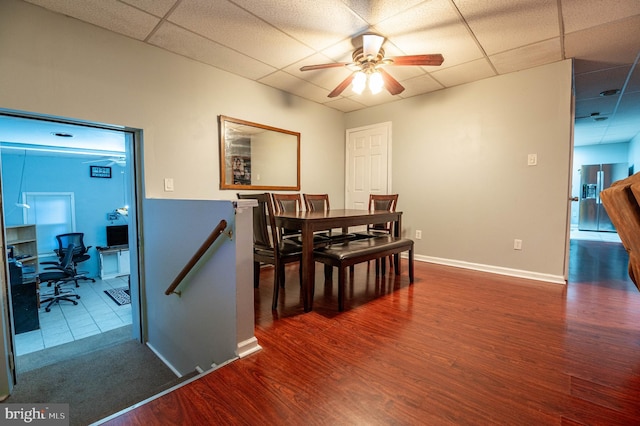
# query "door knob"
(574, 199)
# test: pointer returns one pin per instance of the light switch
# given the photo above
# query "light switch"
(532, 159)
(168, 184)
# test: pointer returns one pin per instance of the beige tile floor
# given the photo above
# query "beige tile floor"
(95, 313)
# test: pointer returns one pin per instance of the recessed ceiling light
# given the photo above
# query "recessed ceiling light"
(62, 134)
(610, 92)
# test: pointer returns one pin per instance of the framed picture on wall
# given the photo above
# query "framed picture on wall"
(241, 167)
(100, 172)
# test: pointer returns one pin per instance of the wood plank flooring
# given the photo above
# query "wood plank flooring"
(456, 347)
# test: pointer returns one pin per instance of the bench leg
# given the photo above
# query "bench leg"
(341, 280)
(411, 265)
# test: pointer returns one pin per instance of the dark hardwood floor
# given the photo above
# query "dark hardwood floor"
(456, 347)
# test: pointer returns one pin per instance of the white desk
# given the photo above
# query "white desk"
(114, 262)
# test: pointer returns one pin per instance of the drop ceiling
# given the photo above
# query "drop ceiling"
(268, 41)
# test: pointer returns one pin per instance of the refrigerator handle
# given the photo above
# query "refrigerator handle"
(599, 183)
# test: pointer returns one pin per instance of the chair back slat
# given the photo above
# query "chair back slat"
(316, 202)
(382, 202)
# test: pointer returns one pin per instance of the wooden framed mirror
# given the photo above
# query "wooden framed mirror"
(256, 156)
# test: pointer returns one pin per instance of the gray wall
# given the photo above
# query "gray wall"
(199, 327)
(460, 167)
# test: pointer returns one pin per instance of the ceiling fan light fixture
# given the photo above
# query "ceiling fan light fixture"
(359, 82)
(376, 83)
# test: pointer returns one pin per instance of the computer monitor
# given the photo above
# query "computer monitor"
(117, 235)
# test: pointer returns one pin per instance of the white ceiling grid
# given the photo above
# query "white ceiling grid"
(268, 41)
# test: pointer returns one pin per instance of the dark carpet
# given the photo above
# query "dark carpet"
(98, 383)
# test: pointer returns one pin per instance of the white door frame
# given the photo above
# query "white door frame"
(387, 126)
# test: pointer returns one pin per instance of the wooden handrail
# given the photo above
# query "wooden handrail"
(196, 257)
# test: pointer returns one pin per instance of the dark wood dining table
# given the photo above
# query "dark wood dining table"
(310, 222)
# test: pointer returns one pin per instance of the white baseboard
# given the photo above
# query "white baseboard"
(164, 360)
(247, 347)
(555, 279)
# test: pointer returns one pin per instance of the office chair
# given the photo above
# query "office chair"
(79, 252)
(59, 275)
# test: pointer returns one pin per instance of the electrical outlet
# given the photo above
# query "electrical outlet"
(418, 234)
(168, 184)
(517, 244)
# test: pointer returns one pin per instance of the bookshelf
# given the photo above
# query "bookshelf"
(25, 247)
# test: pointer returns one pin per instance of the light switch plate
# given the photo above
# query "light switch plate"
(532, 159)
(168, 184)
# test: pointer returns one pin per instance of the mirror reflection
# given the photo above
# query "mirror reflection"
(256, 156)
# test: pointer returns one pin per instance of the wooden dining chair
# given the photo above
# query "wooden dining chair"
(268, 247)
(320, 203)
(286, 203)
(381, 202)
(316, 202)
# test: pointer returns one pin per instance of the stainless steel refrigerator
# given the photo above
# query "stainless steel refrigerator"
(593, 179)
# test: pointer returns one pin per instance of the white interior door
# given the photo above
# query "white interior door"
(368, 164)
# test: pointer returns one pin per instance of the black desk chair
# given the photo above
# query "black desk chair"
(59, 275)
(79, 252)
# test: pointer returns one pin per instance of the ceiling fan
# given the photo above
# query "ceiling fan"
(369, 61)
(120, 161)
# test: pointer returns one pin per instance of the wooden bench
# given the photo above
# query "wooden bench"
(349, 253)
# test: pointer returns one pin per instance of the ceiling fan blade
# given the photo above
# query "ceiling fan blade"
(323, 66)
(340, 88)
(391, 84)
(434, 59)
(371, 44)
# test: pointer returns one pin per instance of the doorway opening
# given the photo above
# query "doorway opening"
(62, 176)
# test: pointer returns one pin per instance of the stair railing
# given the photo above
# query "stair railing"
(196, 257)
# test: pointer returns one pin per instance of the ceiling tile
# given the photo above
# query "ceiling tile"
(327, 78)
(465, 73)
(155, 7)
(490, 21)
(432, 27)
(602, 105)
(541, 53)
(110, 14)
(376, 11)
(633, 85)
(183, 42)
(588, 134)
(318, 24)
(629, 109)
(284, 81)
(234, 27)
(420, 85)
(590, 84)
(344, 104)
(581, 14)
(603, 46)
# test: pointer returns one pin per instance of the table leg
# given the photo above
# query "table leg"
(396, 257)
(308, 268)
